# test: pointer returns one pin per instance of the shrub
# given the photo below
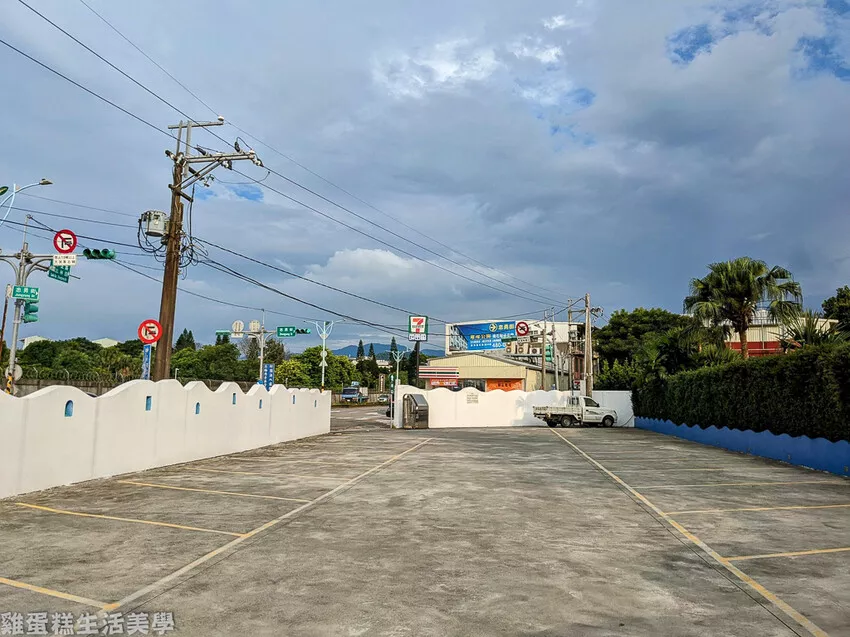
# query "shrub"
(803, 393)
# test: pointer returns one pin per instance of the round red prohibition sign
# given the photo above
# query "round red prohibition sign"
(522, 328)
(150, 331)
(65, 241)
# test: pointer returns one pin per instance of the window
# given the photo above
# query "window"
(234, 398)
(148, 403)
(590, 402)
(69, 409)
(197, 408)
(261, 404)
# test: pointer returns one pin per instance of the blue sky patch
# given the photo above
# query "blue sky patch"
(247, 191)
(823, 57)
(838, 6)
(202, 194)
(683, 46)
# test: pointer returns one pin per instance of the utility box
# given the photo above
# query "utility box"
(414, 412)
(155, 223)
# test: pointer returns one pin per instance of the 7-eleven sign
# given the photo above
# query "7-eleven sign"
(417, 329)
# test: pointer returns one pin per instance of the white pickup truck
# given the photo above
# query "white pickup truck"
(579, 410)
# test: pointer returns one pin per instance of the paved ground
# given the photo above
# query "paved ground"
(445, 532)
(352, 419)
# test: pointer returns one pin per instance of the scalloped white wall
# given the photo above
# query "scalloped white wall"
(115, 433)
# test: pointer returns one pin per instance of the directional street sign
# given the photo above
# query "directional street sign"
(237, 329)
(59, 273)
(150, 331)
(65, 241)
(286, 331)
(222, 332)
(64, 260)
(25, 293)
(253, 326)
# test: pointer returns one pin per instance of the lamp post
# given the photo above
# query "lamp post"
(398, 356)
(324, 330)
(15, 190)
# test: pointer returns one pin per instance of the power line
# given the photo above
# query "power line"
(79, 205)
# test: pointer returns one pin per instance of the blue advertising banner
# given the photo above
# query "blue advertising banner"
(146, 362)
(480, 336)
(268, 375)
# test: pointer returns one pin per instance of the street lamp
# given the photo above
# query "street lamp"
(16, 190)
(324, 330)
(397, 355)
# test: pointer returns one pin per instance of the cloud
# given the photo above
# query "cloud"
(564, 146)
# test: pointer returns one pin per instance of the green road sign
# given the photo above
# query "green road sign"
(60, 273)
(25, 292)
(509, 340)
(3, 190)
(286, 332)
(222, 332)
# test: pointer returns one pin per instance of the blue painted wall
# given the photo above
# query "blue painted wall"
(816, 454)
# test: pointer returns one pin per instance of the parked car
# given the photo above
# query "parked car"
(579, 410)
(355, 394)
(384, 398)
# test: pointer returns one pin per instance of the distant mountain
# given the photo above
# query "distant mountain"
(382, 350)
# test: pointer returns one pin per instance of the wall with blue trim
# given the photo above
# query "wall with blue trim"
(818, 454)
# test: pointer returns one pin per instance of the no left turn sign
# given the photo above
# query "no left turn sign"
(65, 242)
(150, 331)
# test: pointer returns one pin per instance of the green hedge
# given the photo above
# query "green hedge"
(803, 393)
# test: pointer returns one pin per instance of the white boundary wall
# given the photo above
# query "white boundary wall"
(141, 425)
(472, 408)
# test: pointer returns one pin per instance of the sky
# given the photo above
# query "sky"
(500, 157)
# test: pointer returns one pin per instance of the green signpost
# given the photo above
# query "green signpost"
(60, 273)
(25, 293)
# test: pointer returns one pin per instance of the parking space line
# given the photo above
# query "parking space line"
(656, 470)
(119, 519)
(786, 608)
(267, 475)
(49, 591)
(241, 495)
(790, 554)
(280, 458)
(785, 508)
(732, 484)
(260, 529)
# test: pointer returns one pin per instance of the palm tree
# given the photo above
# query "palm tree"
(732, 291)
(809, 328)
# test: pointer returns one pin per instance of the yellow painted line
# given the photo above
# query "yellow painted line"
(785, 508)
(119, 519)
(267, 475)
(49, 591)
(732, 484)
(241, 495)
(791, 554)
(263, 527)
(783, 606)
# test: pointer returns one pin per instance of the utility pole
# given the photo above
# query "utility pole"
(183, 177)
(23, 263)
(262, 343)
(3, 323)
(543, 355)
(588, 349)
(555, 358)
(570, 344)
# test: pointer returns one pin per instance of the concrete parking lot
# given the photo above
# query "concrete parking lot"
(445, 532)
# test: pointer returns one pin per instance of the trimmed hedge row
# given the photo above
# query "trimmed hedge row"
(805, 393)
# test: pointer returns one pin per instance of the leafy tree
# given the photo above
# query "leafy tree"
(186, 339)
(619, 376)
(733, 291)
(412, 364)
(713, 355)
(369, 372)
(339, 372)
(222, 339)
(372, 351)
(275, 352)
(74, 361)
(131, 348)
(250, 348)
(838, 306)
(360, 353)
(808, 328)
(622, 337)
(113, 361)
(41, 353)
(292, 373)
